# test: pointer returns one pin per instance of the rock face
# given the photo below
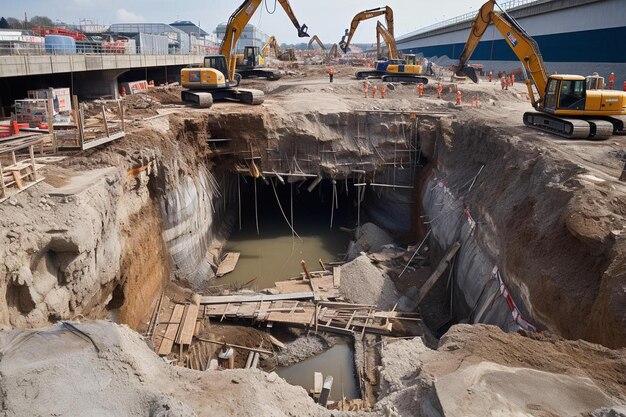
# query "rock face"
(104, 369)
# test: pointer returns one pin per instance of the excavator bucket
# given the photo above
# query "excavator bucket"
(467, 71)
(302, 31)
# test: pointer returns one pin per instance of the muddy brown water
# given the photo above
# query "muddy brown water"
(338, 362)
(274, 254)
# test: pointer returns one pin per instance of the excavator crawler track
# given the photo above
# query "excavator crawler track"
(404, 79)
(260, 73)
(569, 128)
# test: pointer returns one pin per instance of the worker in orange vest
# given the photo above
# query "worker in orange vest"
(439, 89)
(611, 81)
(512, 78)
(383, 90)
(374, 91)
(123, 91)
(366, 87)
(420, 89)
(490, 76)
(331, 73)
(503, 83)
(458, 97)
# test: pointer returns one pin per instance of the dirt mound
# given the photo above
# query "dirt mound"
(363, 283)
(101, 369)
(535, 375)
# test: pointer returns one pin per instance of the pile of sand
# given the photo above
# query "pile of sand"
(364, 283)
(107, 370)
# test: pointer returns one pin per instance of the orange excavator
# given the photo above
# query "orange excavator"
(566, 105)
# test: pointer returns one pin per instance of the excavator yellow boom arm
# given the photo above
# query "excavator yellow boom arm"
(382, 32)
(365, 15)
(238, 21)
(520, 42)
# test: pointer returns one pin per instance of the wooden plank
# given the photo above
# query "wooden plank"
(171, 330)
(223, 299)
(188, 325)
(96, 142)
(18, 180)
(336, 276)
(228, 264)
(443, 265)
(215, 342)
(351, 318)
(277, 342)
(104, 121)
(331, 329)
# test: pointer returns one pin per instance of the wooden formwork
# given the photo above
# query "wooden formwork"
(18, 171)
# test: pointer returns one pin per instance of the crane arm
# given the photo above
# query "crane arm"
(315, 38)
(364, 15)
(382, 32)
(240, 18)
(522, 44)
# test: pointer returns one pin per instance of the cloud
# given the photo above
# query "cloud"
(125, 16)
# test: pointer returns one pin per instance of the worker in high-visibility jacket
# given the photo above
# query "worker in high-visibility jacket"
(611, 81)
(490, 76)
(366, 87)
(458, 97)
(383, 90)
(374, 91)
(439, 89)
(420, 89)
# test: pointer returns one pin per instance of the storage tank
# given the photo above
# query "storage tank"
(59, 44)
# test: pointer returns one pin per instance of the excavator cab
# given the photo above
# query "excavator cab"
(251, 56)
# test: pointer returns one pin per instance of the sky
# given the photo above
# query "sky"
(326, 18)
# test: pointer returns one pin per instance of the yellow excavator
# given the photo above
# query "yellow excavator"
(217, 79)
(394, 68)
(271, 44)
(567, 105)
(249, 64)
(315, 38)
(344, 44)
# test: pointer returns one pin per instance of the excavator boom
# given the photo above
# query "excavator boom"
(365, 15)
(382, 32)
(271, 43)
(315, 38)
(240, 18)
(522, 44)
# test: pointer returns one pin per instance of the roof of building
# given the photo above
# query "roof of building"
(189, 27)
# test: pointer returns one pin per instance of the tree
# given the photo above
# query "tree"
(3, 23)
(42, 21)
(14, 23)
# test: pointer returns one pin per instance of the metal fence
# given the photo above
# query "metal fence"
(466, 17)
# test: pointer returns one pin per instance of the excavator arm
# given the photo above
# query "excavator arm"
(315, 38)
(522, 44)
(365, 15)
(382, 32)
(271, 43)
(238, 21)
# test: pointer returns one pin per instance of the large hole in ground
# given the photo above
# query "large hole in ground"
(275, 254)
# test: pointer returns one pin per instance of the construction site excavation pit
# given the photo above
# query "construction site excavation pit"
(404, 247)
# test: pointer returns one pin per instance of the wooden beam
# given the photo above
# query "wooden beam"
(222, 299)
(267, 352)
(434, 277)
(188, 325)
(351, 318)
(104, 121)
(336, 276)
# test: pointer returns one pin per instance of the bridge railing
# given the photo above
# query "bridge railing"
(465, 18)
(82, 48)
